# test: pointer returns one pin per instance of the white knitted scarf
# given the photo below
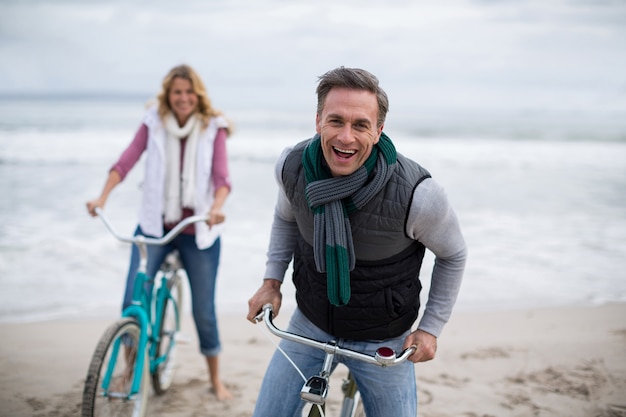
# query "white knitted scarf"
(180, 192)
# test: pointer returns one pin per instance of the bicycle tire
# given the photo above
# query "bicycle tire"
(352, 405)
(115, 403)
(357, 406)
(163, 374)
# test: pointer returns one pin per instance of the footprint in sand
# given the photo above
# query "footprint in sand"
(579, 382)
(35, 404)
(446, 380)
(487, 353)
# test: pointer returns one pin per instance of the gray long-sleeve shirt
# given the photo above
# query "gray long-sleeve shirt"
(431, 221)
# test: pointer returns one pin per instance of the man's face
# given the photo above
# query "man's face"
(347, 126)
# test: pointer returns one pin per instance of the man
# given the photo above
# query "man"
(356, 217)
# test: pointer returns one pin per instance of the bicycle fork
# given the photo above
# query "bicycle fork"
(142, 319)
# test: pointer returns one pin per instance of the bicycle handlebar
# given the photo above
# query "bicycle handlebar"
(384, 356)
(150, 240)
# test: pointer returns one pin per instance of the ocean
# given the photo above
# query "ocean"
(541, 200)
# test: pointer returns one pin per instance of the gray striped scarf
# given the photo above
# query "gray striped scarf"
(332, 199)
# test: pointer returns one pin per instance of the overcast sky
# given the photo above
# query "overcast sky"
(451, 53)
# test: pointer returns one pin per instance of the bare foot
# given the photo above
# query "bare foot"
(221, 392)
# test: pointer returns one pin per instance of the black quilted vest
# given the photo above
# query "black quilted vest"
(385, 283)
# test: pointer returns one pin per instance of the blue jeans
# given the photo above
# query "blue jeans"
(201, 267)
(385, 392)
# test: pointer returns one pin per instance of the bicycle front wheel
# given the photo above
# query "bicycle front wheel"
(357, 406)
(111, 371)
(352, 405)
(165, 354)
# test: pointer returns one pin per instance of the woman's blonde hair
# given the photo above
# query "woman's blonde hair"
(205, 110)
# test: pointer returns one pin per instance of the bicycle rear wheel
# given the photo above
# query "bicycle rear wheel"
(165, 352)
(116, 351)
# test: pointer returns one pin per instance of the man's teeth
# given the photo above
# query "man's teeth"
(349, 151)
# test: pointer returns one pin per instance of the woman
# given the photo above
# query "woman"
(184, 138)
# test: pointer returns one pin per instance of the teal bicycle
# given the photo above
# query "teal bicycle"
(141, 345)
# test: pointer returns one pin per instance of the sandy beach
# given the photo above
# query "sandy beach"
(565, 361)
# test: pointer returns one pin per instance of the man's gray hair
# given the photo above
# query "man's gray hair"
(356, 79)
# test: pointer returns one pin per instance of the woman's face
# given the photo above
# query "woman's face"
(183, 100)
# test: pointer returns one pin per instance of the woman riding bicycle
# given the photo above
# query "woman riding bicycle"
(186, 173)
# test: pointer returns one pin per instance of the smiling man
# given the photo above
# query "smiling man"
(356, 217)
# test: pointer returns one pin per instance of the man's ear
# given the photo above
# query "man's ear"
(380, 132)
(318, 126)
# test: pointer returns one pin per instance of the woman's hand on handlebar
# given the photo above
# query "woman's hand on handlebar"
(93, 204)
(268, 293)
(113, 179)
(216, 216)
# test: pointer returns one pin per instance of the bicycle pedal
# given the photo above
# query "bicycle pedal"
(315, 390)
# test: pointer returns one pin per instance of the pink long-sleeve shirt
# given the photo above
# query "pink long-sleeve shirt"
(219, 167)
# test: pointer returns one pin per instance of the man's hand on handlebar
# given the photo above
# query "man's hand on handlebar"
(425, 346)
(268, 293)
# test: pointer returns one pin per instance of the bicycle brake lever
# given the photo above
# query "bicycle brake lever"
(264, 310)
(259, 317)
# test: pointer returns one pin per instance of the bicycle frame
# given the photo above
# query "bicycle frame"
(162, 295)
(315, 388)
(140, 308)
